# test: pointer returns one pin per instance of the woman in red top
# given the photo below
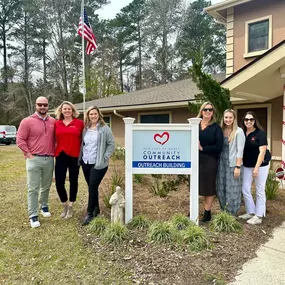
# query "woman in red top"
(68, 132)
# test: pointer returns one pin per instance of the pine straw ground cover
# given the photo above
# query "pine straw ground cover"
(63, 252)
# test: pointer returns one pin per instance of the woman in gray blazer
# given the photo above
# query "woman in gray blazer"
(229, 178)
(97, 146)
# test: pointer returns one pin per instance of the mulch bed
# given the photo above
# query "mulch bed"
(170, 264)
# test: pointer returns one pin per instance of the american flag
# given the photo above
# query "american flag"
(88, 34)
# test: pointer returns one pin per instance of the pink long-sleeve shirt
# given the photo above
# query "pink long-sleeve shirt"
(37, 136)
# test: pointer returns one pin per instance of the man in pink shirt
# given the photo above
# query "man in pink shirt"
(36, 139)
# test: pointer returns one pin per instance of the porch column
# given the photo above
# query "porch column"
(283, 129)
(282, 73)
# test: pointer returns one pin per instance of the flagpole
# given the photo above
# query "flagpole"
(83, 56)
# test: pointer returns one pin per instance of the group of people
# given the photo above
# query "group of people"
(73, 143)
(230, 158)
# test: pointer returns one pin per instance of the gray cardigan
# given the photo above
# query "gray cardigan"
(236, 147)
(106, 146)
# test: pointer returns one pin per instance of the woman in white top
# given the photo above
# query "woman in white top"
(229, 178)
(97, 147)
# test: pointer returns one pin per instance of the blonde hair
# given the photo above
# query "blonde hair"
(87, 121)
(58, 111)
(234, 126)
(213, 119)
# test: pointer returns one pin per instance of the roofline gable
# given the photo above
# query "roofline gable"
(216, 10)
(282, 43)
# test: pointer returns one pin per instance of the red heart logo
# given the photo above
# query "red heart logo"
(161, 139)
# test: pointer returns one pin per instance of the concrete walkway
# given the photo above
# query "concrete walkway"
(268, 268)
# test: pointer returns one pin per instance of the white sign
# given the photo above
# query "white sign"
(154, 150)
(162, 149)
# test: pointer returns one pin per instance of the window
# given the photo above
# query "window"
(154, 118)
(107, 120)
(258, 36)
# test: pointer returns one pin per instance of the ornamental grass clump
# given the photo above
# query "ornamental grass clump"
(225, 223)
(140, 222)
(272, 186)
(98, 225)
(116, 233)
(195, 237)
(181, 222)
(162, 232)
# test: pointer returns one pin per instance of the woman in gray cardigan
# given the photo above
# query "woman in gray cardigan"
(229, 178)
(97, 146)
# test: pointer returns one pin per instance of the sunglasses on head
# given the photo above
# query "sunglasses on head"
(208, 109)
(42, 104)
(248, 119)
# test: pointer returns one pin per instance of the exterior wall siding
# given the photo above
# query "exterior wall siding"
(254, 10)
(230, 42)
(276, 122)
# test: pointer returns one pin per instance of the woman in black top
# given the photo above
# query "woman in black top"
(256, 166)
(210, 146)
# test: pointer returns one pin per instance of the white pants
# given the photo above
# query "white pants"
(259, 208)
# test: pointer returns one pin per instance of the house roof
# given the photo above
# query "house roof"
(171, 95)
(219, 10)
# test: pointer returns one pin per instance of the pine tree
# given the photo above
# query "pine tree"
(212, 92)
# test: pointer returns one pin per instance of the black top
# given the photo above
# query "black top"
(212, 139)
(251, 149)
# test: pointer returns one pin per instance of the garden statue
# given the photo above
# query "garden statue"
(117, 201)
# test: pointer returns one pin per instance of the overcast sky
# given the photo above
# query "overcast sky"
(110, 11)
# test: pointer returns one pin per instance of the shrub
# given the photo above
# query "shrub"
(115, 233)
(272, 186)
(163, 184)
(138, 178)
(183, 179)
(140, 222)
(226, 223)
(119, 153)
(162, 232)
(195, 238)
(98, 225)
(157, 188)
(181, 222)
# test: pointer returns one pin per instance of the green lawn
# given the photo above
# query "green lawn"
(54, 253)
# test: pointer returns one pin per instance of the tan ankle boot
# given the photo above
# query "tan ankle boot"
(69, 212)
(64, 211)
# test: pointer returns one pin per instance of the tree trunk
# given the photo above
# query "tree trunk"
(164, 57)
(64, 73)
(26, 68)
(140, 56)
(44, 62)
(5, 59)
(121, 72)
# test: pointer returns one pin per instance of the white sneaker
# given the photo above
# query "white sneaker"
(45, 212)
(34, 222)
(255, 220)
(246, 216)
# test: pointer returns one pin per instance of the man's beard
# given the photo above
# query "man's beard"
(42, 112)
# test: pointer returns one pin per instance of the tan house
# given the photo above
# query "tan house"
(166, 103)
(256, 62)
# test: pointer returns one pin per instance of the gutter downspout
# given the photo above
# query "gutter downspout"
(117, 114)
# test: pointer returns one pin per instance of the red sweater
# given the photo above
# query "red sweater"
(68, 138)
(36, 136)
